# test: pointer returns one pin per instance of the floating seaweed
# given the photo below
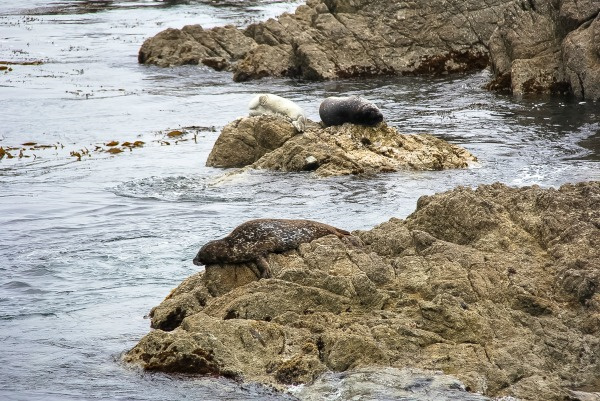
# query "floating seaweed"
(113, 147)
(34, 62)
(76, 154)
(175, 134)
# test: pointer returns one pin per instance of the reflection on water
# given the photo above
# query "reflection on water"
(88, 247)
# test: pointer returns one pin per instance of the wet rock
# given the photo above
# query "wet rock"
(340, 38)
(496, 286)
(548, 47)
(386, 384)
(267, 142)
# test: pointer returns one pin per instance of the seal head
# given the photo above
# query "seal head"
(209, 253)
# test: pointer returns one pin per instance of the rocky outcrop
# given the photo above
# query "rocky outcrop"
(245, 140)
(327, 39)
(497, 286)
(535, 46)
(268, 142)
(543, 46)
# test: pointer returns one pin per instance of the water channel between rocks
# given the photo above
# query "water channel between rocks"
(88, 247)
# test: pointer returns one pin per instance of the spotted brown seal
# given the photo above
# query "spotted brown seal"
(352, 109)
(254, 239)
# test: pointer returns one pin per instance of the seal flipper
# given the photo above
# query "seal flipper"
(299, 123)
(263, 267)
(352, 240)
(347, 238)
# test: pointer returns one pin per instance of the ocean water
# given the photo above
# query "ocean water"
(89, 246)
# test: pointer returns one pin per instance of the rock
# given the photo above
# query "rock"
(339, 39)
(496, 286)
(386, 384)
(246, 140)
(194, 45)
(581, 58)
(545, 46)
(267, 142)
(535, 46)
(585, 396)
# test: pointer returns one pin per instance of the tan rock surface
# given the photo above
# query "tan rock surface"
(246, 140)
(268, 142)
(497, 286)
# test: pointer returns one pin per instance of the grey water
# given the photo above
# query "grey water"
(88, 246)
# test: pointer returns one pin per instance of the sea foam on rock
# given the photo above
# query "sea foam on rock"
(268, 142)
(497, 286)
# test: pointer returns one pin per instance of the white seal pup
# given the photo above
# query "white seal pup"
(352, 109)
(267, 103)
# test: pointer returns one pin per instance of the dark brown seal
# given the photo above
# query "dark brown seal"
(352, 109)
(253, 240)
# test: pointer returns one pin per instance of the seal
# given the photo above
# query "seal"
(254, 239)
(351, 109)
(270, 104)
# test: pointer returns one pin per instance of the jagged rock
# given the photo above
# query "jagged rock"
(543, 46)
(194, 45)
(267, 142)
(340, 38)
(535, 46)
(497, 286)
(581, 58)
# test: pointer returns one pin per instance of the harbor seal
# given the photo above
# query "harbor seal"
(269, 104)
(254, 239)
(352, 109)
